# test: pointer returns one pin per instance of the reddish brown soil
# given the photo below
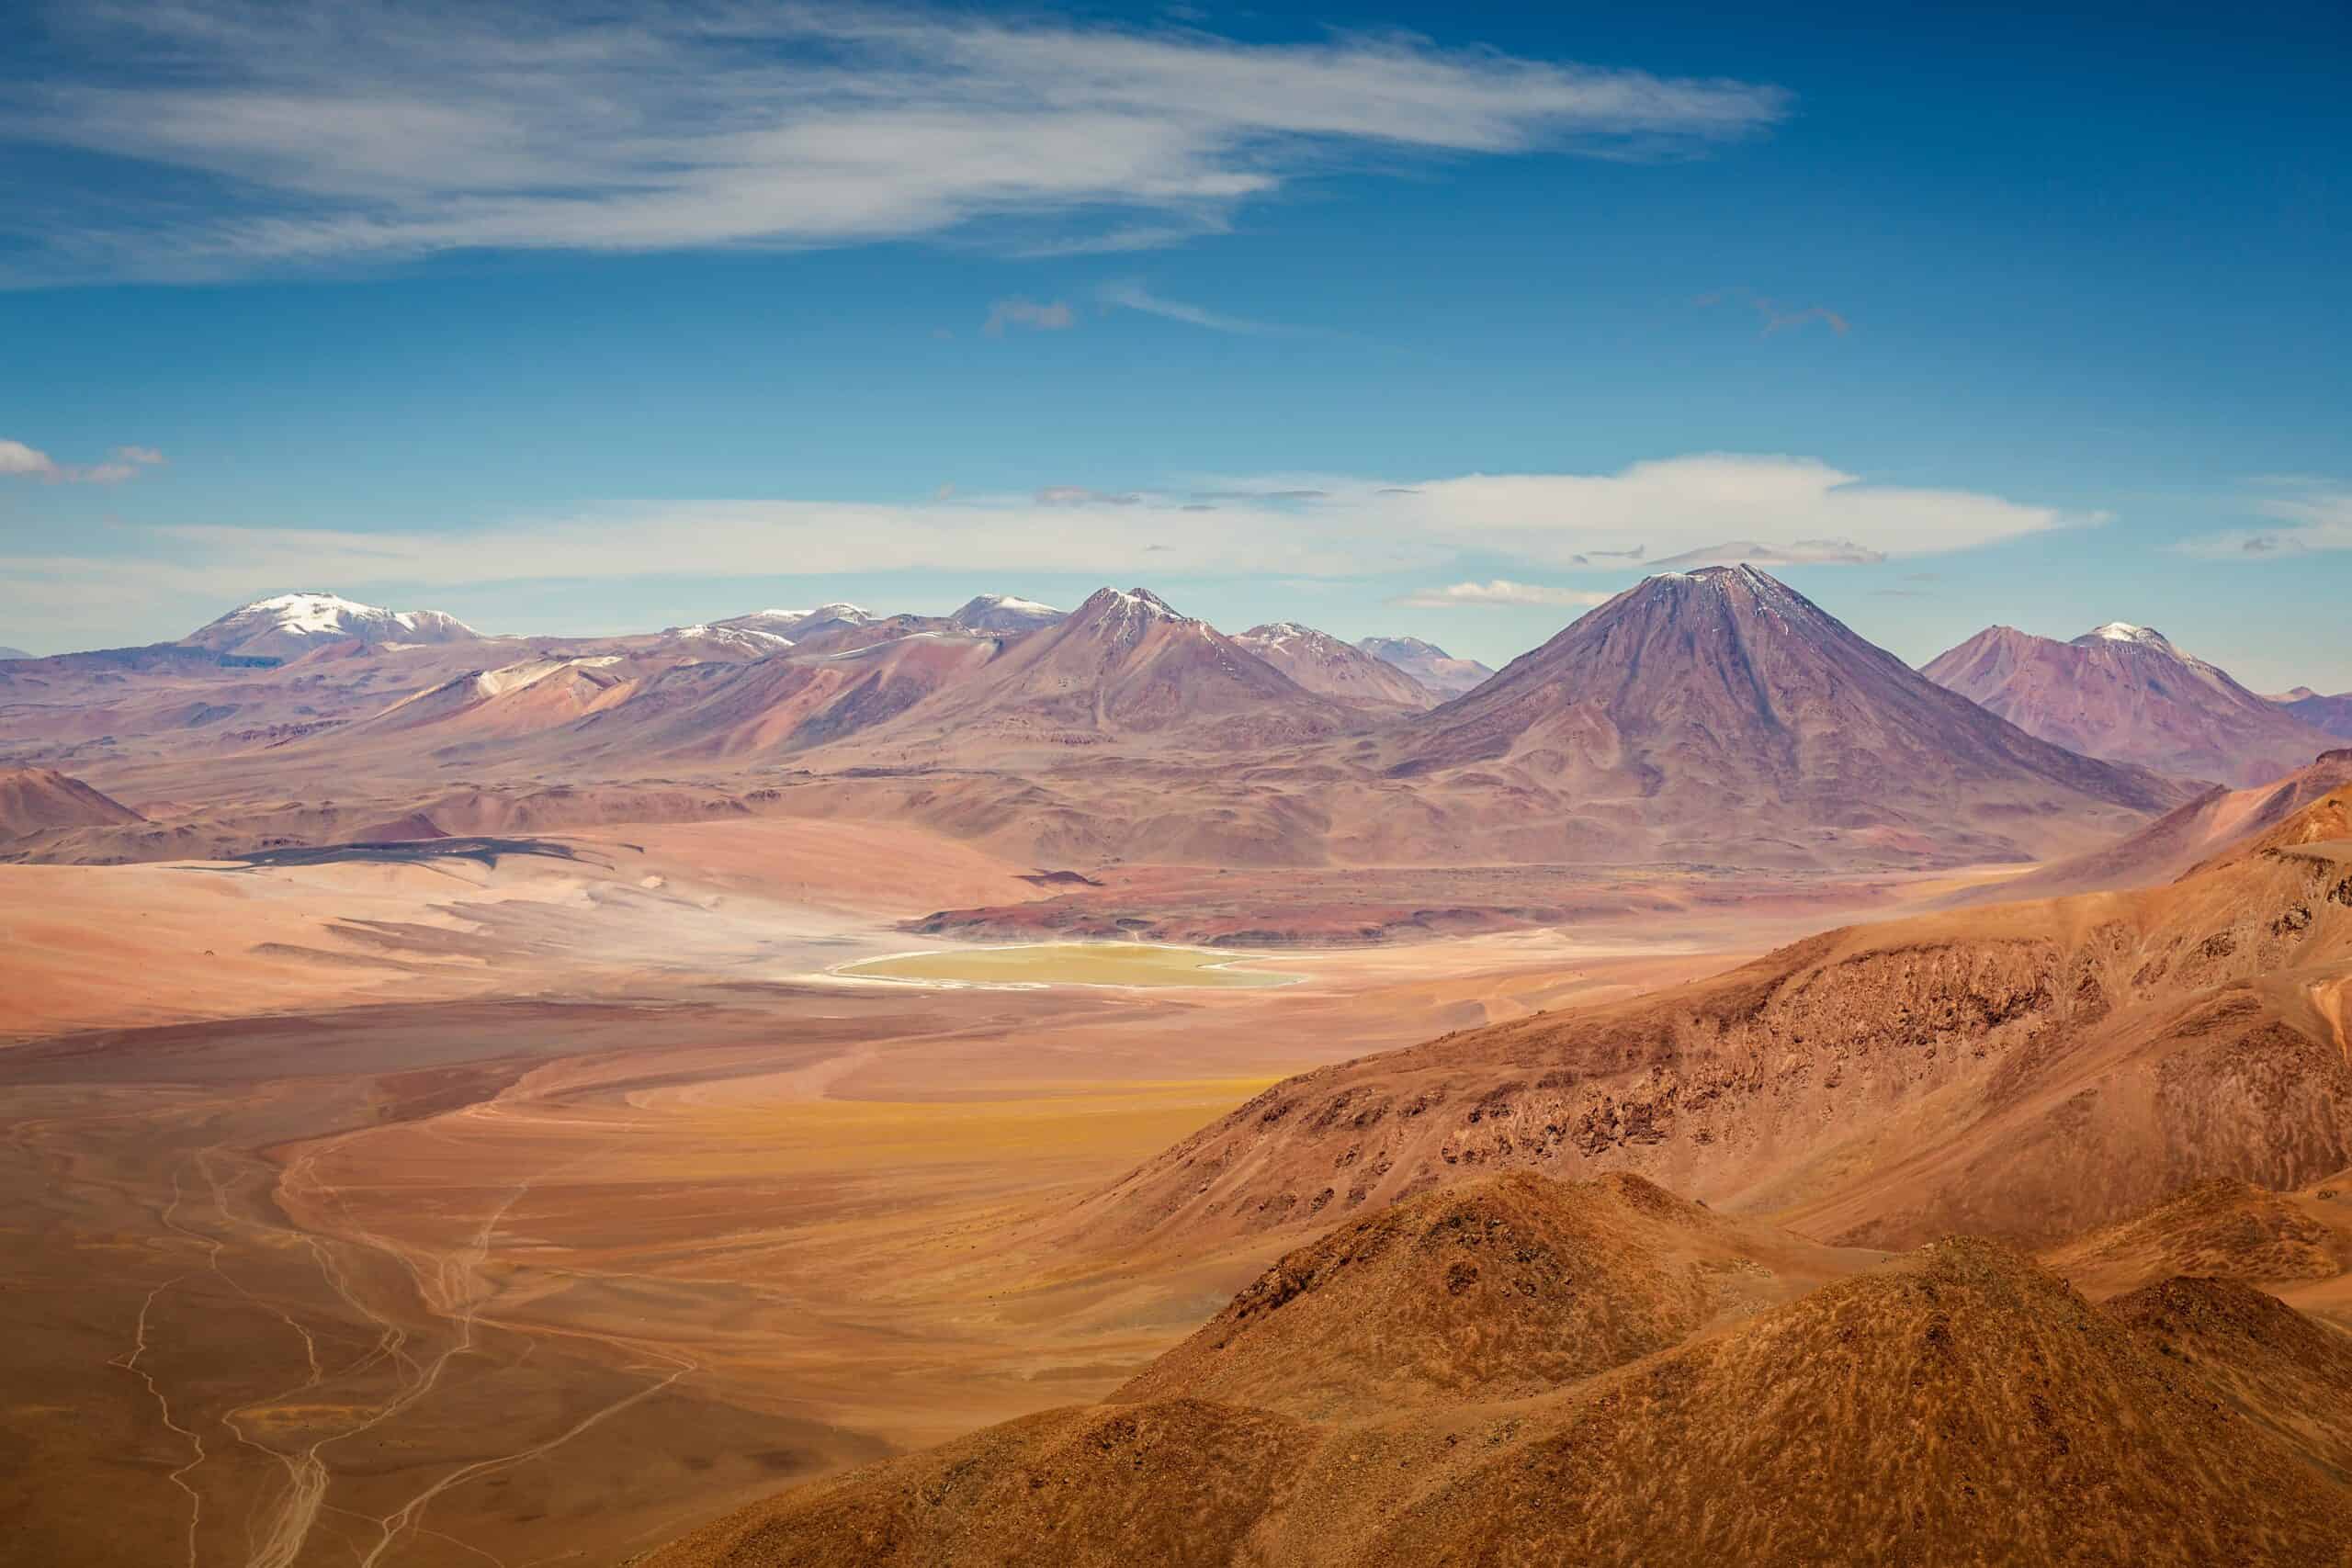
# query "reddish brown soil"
(2029, 1069)
(1958, 1405)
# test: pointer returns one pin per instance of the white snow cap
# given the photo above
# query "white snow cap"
(1003, 612)
(730, 632)
(773, 622)
(315, 615)
(319, 613)
(1141, 600)
(2124, 631)
(1281, 633)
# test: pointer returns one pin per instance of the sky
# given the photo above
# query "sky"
(1441, 320)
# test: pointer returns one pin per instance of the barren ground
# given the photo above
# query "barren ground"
(342, 1197)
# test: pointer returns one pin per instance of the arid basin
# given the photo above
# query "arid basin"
(1136, 964)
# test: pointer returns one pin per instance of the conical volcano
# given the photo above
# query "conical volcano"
(1700, 706)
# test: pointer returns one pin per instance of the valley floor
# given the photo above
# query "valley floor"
(426, 1214)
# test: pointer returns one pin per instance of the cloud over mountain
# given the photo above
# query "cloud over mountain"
(1300, 526)
(1499, 591)
(1801, 552)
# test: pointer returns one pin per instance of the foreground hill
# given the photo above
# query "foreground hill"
(2126, 693)
(2289, 1376)
(1957, 1405)
(2027, 1070)
(1493, 1289)
(2221, 1228)
(1704, 708)
(2186, 836)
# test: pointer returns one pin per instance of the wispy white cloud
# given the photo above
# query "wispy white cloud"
(1800, 552)
(1053, 317)
(1777, 317)
(1499, 590)
(1538, 527)
(2312, 515)
(20, 461)
(1130, 295)
(1079, 495)
(363, 130)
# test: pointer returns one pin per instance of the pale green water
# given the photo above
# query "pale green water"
(1070, 964)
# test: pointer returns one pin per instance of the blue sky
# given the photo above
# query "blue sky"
(1410, 319)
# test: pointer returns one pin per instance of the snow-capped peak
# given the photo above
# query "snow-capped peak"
(316, 611)
(1401, 647)
(1003, 612)
(1126, 612)
(1281, 633)
(2124, 631)
(286, 622)
(1133, 600)
(775, 623)
(730, 633)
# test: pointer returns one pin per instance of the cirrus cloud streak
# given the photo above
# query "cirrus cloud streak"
(325, 132)
(2314, 515)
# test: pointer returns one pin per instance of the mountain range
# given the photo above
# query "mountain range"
(2124, 692)
(1341, 670)
(1709, 717)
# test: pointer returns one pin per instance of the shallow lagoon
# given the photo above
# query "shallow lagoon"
(1139, 963)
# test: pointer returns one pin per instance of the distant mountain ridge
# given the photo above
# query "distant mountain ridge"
(1707, 718)
(2124, 693)
(290, 625)
(2333, 715)
(1324, 664)
(1126, 663)
(1005, 613)
(1428, 663)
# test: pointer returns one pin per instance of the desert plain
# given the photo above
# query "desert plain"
(532, 1203)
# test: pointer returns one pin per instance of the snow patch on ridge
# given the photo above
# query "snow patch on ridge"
(308, 617)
